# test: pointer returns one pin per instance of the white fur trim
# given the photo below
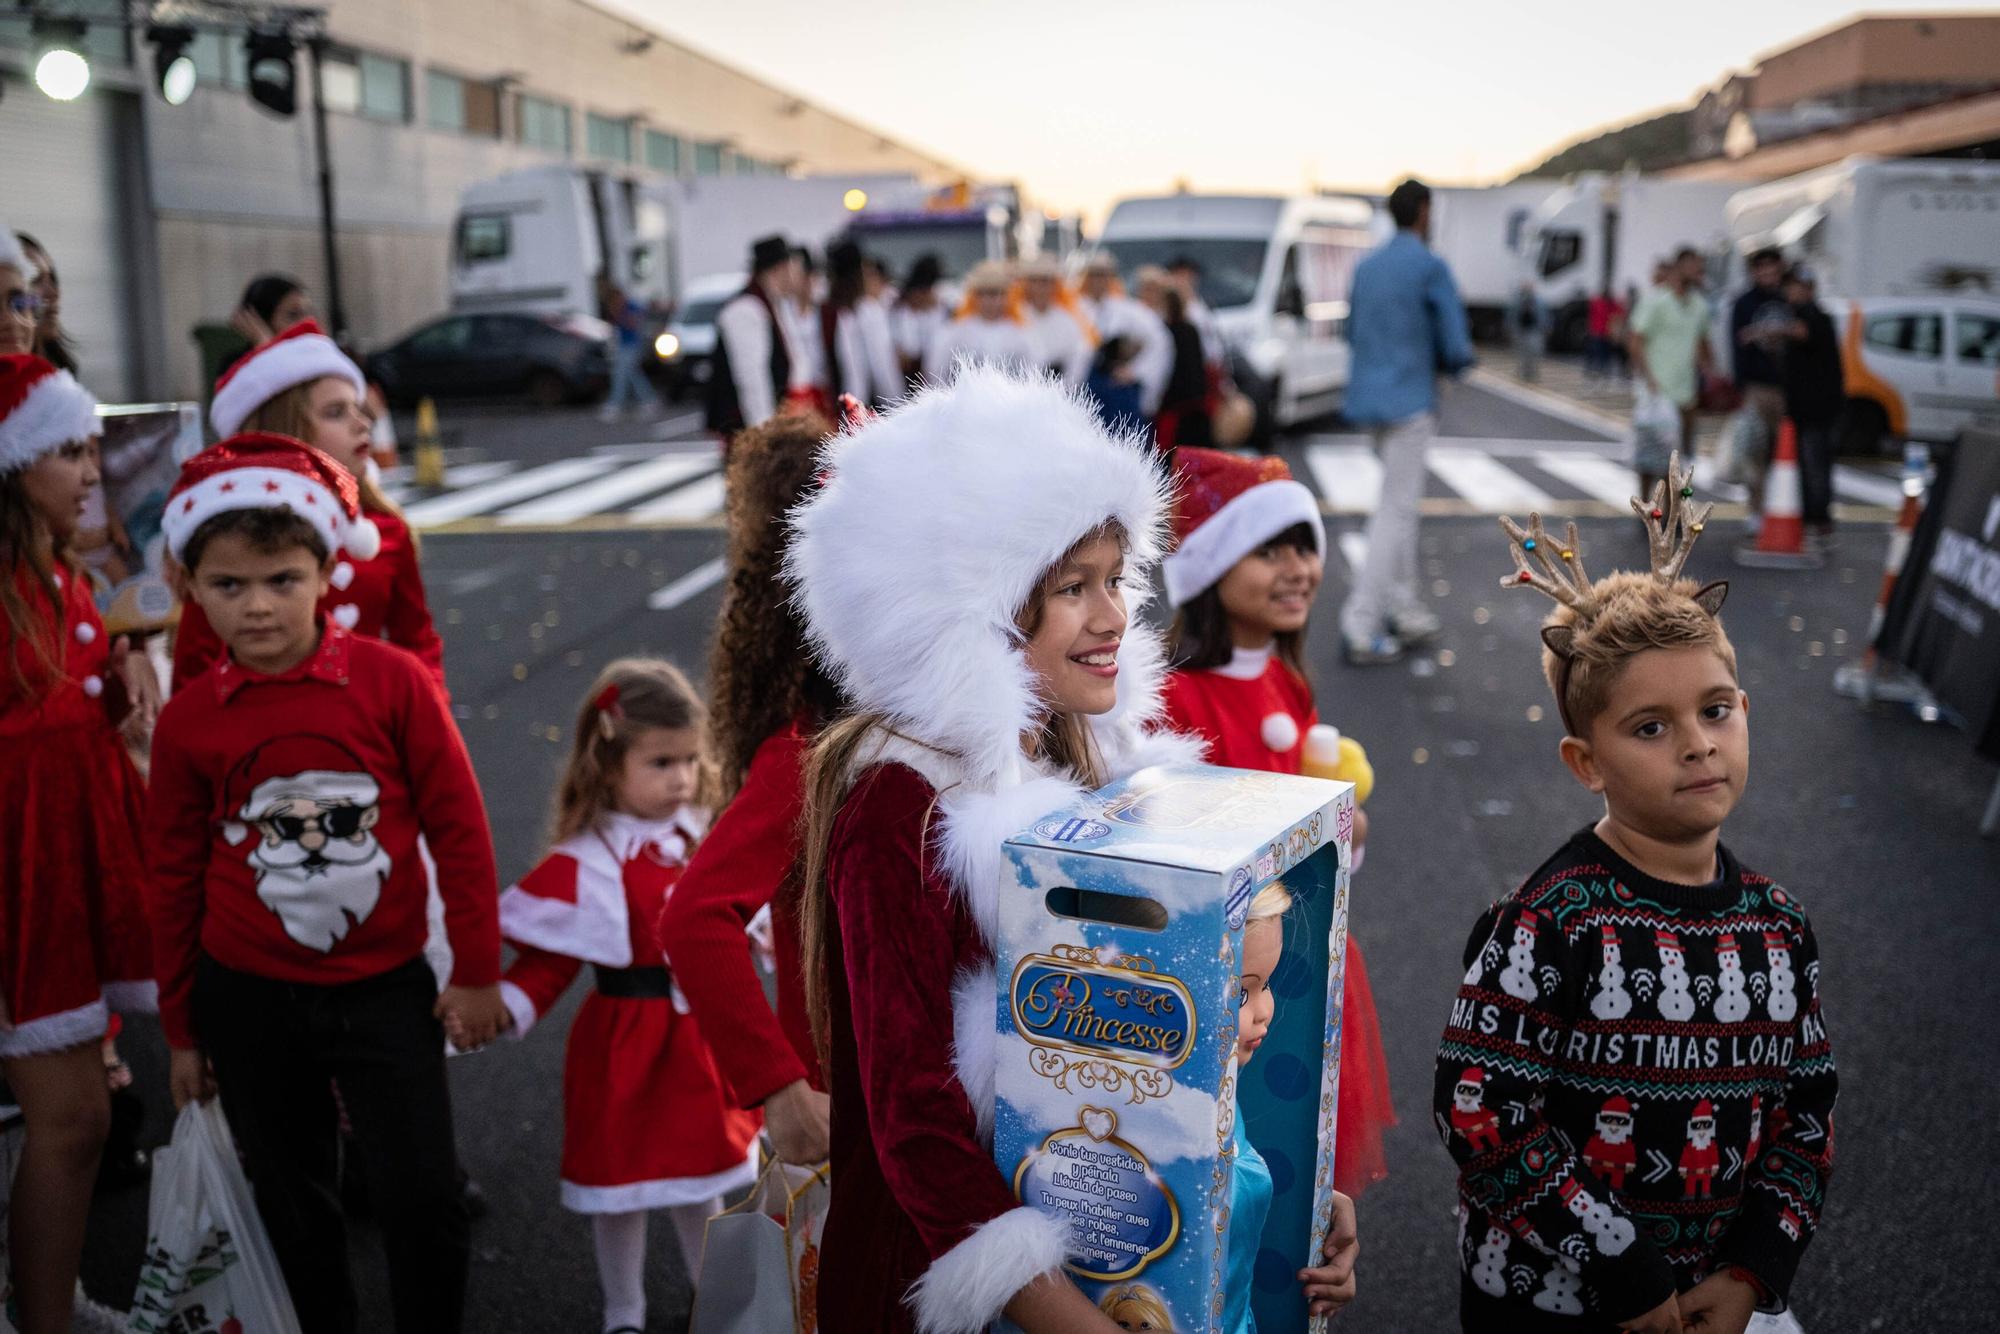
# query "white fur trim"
(661, 1194)
(520, 1008)
(54, 411)
(250, 488)
(56, 1032)
(594, 928)
(967, 1287)
(1249, 519)
(137, 997)
(969, 831)
(975, 1000)
(937, 518)
(273, 369)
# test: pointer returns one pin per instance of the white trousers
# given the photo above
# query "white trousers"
(1386, 583)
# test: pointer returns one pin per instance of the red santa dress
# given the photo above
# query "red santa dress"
(73, 933)
(647, 1122)
(380, 598)
(1254, 713)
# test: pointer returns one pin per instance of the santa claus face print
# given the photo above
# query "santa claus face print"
(1270, 591)
(1701, 1131)
(1073, 644)
(1671, 750)
(58, 485)
(340, 423)
(659, 772)
(262, 604)
(319, 866)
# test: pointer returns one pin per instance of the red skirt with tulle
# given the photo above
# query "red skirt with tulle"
(1365, 1110)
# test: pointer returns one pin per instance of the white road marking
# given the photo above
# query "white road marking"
(505, 491)
(1870, 488)
(1548, 404)
(689, 585)
(696, 500)
(1349, 476)
(1490, 485)
(605, 493)
(1354, 550)
(1599, 478)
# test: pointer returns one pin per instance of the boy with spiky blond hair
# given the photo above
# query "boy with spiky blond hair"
(1644, 1129)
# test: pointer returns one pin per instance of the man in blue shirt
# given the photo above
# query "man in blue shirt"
(1406, 325)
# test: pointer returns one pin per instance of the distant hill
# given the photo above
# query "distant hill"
(1658, 141)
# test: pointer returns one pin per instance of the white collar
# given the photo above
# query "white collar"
(626, 835)
(1245, 664)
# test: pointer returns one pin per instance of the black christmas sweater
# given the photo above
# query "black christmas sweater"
(1638, 1088)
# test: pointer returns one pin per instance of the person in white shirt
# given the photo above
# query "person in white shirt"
(1063, 342)
(919, 316)
(1115, 314)
(858, 352)
(757, 359)
(811, 375)
(987, 332)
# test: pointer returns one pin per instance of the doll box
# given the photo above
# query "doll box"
(1121, 935)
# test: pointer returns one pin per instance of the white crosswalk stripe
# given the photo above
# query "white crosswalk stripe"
(608, 493)
(1348, 477)
(1486, 481)
(696, 500)
(490, 496)
(1600, 478)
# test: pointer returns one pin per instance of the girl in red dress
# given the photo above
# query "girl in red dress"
(769, 697)
(968, 570)
(1242, 580)
(302, 385)
(646, 1122)
(73, 932)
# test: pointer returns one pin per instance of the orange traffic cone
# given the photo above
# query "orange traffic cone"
(1781, 541)
(1866, 680)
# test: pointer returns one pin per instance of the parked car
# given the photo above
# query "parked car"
(1918, 368)
(552, 359)
(685, 349)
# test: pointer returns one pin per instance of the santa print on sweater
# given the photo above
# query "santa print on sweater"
(1607, 1009)
(282, 825)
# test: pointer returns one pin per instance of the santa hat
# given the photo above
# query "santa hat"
(1228, 506)
(935, 523)
(1704, 1108)
(262, 471)
(299, 355)
(1473, 1075)
(41, 408)
(1616, 1105)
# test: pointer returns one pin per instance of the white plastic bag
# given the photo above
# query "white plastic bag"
(1656, 431)
(209, 1265)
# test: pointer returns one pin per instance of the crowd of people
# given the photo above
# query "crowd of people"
(1150, 357)
(298, 873)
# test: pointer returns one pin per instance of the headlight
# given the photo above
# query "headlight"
(667, 346)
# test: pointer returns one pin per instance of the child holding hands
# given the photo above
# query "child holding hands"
(290, 786)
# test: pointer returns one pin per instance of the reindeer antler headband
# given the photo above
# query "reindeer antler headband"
(1672, 520)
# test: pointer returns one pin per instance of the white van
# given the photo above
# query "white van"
(1276, 270)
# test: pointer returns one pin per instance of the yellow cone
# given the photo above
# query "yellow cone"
(429, 447)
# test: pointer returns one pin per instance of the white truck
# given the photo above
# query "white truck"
(1478, 232)
(535, 241)
(1604, 232)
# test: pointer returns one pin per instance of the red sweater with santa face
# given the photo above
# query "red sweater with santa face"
(283, 818)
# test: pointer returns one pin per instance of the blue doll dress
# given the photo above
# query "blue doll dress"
(1249, 1204)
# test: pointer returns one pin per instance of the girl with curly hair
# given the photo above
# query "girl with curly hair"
(770, 700)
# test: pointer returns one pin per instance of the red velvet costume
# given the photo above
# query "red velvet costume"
(73, 933)
(1240, 710)
(646, 1124)
(746, 863)
(381, 598)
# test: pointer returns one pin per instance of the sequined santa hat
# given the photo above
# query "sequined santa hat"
(258, 470)
(1227, 506)
(299, 355)
(41, 408)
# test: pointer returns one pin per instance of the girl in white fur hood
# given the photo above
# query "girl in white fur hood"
(968, 572)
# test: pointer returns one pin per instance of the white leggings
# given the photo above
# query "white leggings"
(621, 1257)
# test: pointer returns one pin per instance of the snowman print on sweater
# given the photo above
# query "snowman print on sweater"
(1489, 1267)
(1612, 1001)
(1732, 1003)
(1561, 1294)
(1517, 979)
(1676, 1003)
(1611, 1233)
(1783, 1002)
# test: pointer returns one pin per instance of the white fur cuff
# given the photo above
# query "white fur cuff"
(967, 1287)
(519, 1006)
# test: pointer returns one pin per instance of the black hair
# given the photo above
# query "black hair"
(266, 291)
(804, 257)
(843, 274)
(874, 262)
(1766, 255)
(58, 349)
(1200, 640)
(1114, 352)
(926, 272)
(1407, 200)
(1188, 262)
(268, 531)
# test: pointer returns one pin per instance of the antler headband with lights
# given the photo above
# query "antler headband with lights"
(1672, 520)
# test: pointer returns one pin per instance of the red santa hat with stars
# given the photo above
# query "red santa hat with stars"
(299, 355)
(1227, 507)
(263, 471)
(41, 409)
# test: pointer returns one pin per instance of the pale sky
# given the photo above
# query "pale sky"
(1083, 101)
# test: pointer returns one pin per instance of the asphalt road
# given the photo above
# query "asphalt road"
(1869, 816)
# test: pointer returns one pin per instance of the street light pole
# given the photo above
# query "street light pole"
(336, 310)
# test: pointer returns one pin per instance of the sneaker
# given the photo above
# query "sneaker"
(1416, 627)
(1371, 652)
